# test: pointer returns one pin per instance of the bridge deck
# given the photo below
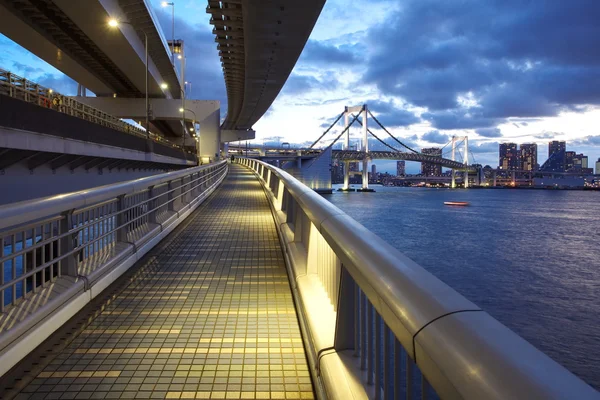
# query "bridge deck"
(206, 314)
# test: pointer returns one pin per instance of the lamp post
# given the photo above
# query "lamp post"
(113, 23)
(183, 110)
(172, 4)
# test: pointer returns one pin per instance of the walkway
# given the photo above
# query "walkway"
(207, 314)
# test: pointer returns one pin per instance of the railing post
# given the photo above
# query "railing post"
(67, 245)
(170, 195)
(345, 325)
(152, 205)
(121, 220)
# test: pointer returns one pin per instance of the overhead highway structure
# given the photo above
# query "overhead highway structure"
(259, 42)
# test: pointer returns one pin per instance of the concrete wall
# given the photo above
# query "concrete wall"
(314, 173)
(18, 183)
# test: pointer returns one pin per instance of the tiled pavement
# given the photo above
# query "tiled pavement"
(208, 314)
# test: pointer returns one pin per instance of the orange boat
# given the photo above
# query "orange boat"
(457, 203)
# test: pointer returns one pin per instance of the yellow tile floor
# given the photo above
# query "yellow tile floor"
(209, 315)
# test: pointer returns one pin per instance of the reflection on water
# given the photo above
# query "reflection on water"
(531, 258)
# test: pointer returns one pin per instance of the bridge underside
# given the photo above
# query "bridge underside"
(207, 314)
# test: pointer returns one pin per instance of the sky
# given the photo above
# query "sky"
(496, 71)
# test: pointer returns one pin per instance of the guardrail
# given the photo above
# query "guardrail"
(57, 248)
(20, 88)
(377, 325)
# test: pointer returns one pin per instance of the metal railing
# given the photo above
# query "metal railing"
(77, 233)
(20, 88)
(391, 328)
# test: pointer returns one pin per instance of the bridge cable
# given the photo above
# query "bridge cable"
(376, 137)
(327, 131)
(386, 131)
(336, 139)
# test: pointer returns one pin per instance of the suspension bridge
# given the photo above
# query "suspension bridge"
(362, 154)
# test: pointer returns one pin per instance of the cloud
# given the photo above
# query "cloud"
(485, 147)
(203, 67)
(435, 137)
(59, 83)
(298, 84)
(390, 115)
(320, 52)
(489, 132)
(25, 69)
(512, 58)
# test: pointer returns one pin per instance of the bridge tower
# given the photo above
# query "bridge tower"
(363, 148)
(456, 139)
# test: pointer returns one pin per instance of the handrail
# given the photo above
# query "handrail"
(375, 291)
(18, 87)
(75, 233)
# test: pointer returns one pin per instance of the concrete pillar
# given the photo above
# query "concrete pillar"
(210, 137)
(365, 148)
(453, 185)
(466, 162)
(346, 147)
(494, 178)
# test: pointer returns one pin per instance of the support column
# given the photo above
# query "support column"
(494, 174)
(346, 147)
(453, 185)
(365, 149)
(466, 178)
(210, 137)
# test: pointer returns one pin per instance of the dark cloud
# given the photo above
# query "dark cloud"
(459, 119)
(590, 140)
(298, 84)
(547, 135)
(436, 137)
(489, 132)
(318, 52)
(61, 84)
(203, 67)
(515, 58)
(390, 115)
(26, 69)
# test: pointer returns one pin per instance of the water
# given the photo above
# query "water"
(530, 258)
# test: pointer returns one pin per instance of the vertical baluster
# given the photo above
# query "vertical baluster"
(397, 369)
(363, 331)
(34, 257)
(388, 389)
(14, 268)
(43, 254)
(357, 295)
(24, 264)
(424, 387)
(378, 355)
(370, 343)
(2, 278)
(409, 377)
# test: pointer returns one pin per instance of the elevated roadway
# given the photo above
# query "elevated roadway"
(259, 43)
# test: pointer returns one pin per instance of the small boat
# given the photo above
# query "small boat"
(457, 203)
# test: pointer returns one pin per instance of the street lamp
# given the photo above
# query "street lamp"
(114, 23)
(183, 110)
(172, 4)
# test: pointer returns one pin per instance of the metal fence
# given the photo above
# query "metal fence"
(20, 88)
(391, 328)
(77, 233)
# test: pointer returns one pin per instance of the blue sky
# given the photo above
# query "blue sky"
(497, 70)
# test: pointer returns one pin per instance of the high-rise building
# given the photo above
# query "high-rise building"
(373, 170)
(556, 156)
(400, 168)
(509, 157)
(598, 167)
(580, 162)
(528, 157)
(429, 169)
(569, 160)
